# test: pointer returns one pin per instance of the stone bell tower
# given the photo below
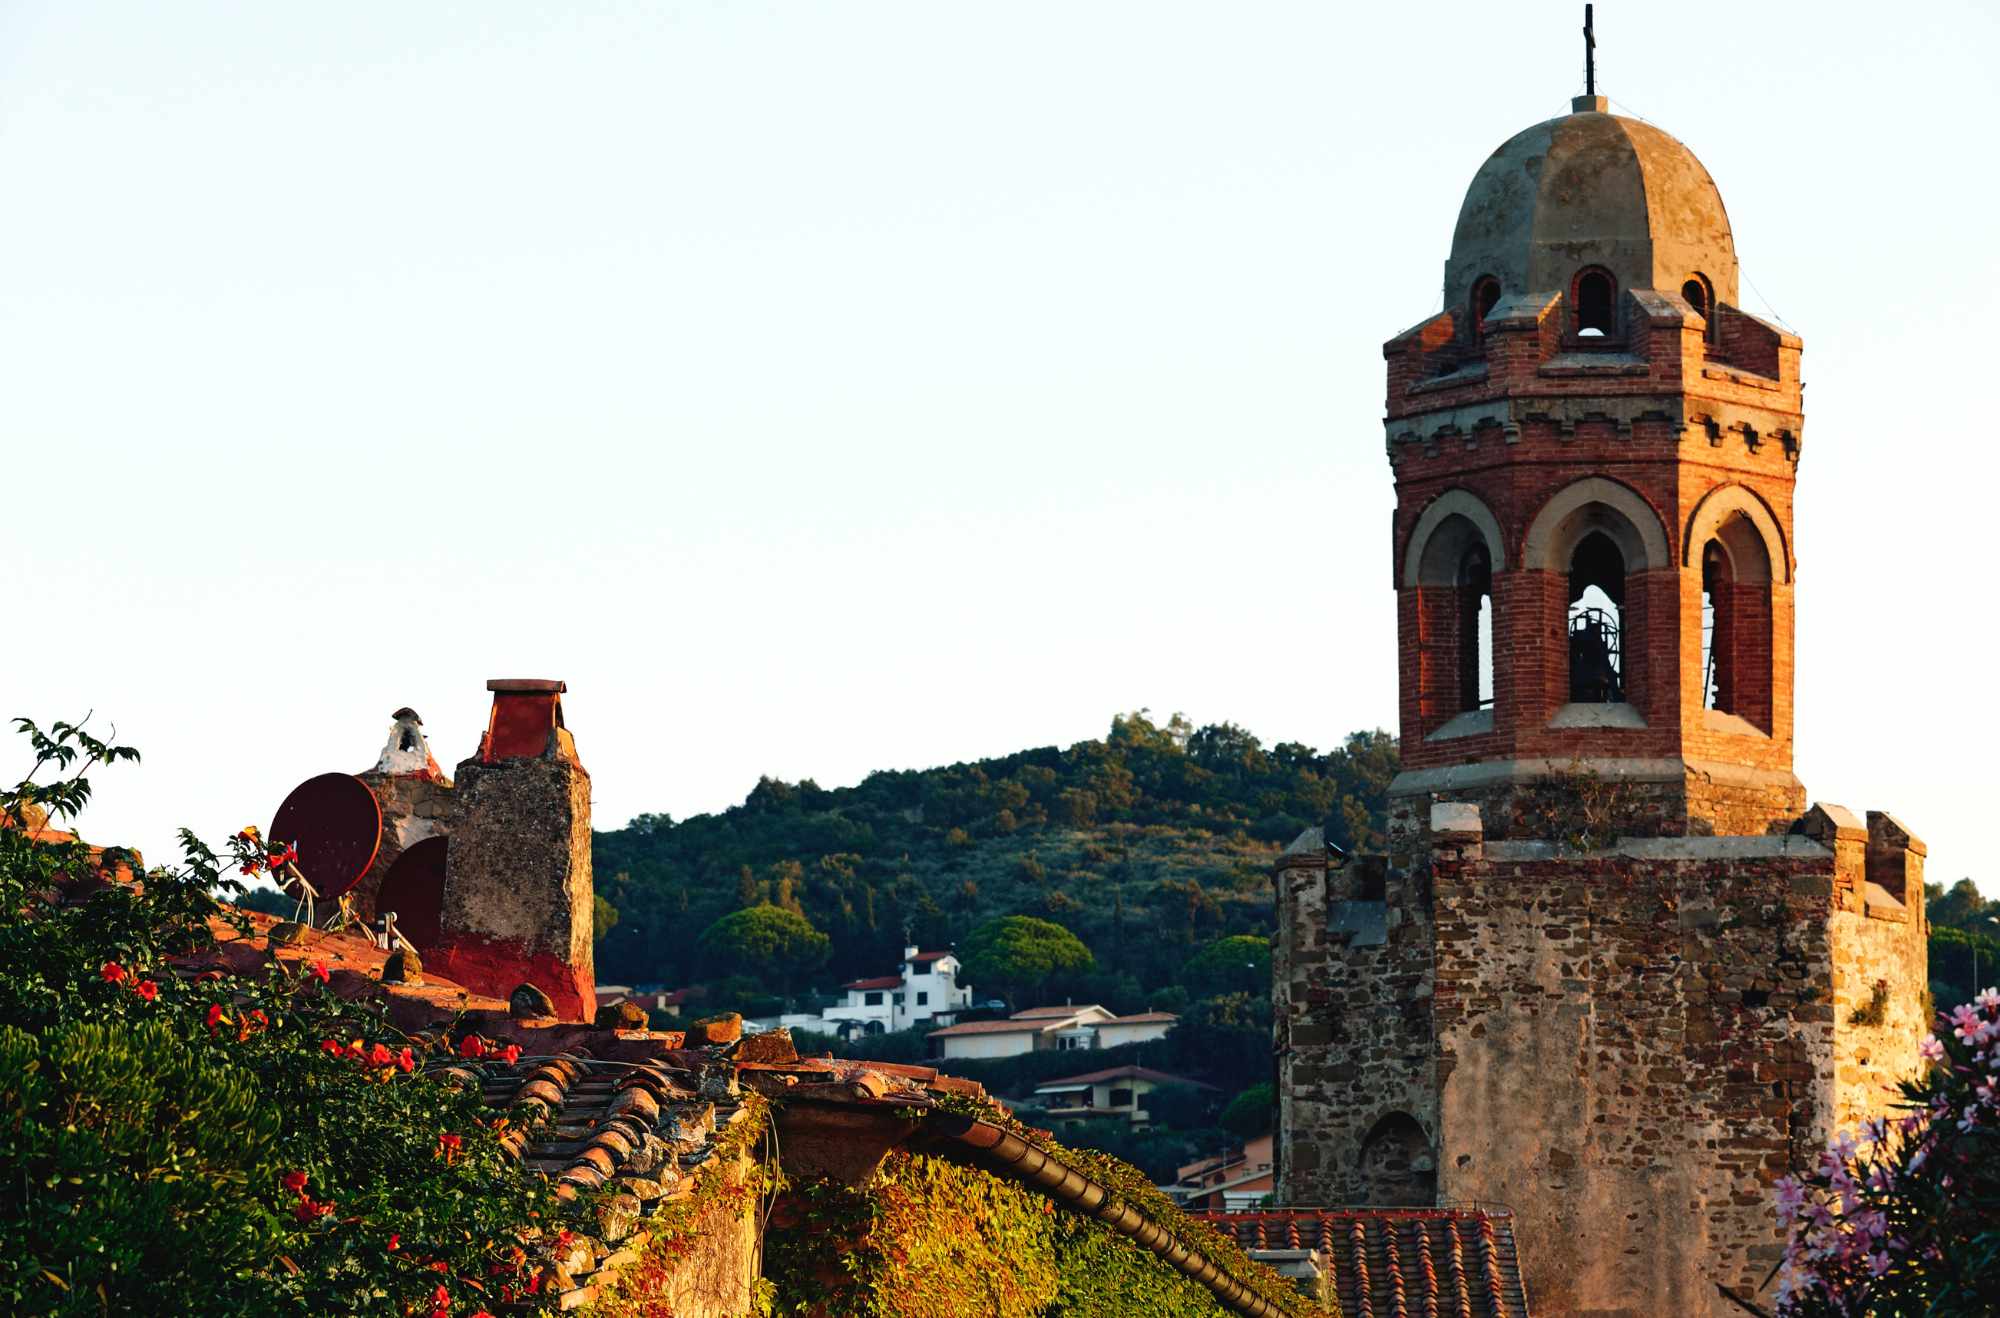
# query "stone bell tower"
(1610, 971)
(1594, 451)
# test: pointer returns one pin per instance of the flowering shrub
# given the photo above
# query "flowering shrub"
(241, 1145)
(1905, 1219)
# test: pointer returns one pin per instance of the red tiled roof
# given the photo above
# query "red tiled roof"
(1123, 1073)
(1015, 1026)
(927, 956)
(1399, 1260)
(1043, 1013)
(879, 982)
(1143, 1018)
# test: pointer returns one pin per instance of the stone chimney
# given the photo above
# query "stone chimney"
(517, 885)
(415, 797)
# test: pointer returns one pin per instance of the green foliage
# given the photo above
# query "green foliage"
(603, 916)
(1018, 954)
(1251, 1113)
(1240, 963)
(766, 940)
(237, 1145)
(1147, 845)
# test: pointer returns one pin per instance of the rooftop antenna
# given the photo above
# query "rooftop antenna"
(1589, 52)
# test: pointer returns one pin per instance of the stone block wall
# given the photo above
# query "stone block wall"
(414, 807)
(1626, 1044)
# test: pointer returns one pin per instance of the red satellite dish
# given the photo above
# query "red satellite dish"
(414, 889)
(336, 823)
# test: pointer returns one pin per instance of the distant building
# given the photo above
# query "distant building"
(1230, 1182)
(925, 988)
(1049, 1029)
(1118, 1092)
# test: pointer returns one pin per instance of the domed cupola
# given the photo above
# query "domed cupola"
(1591, 192)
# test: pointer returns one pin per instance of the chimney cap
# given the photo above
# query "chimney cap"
(406, 713)
(545, 685)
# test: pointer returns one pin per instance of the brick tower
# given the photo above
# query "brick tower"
(1609, 972)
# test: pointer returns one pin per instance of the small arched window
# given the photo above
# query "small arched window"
(1699, 294)
(1596, 303)
(1475, 629)
(1485, 296)
(1596, 605)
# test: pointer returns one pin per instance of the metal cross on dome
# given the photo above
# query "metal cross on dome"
(1589, 52)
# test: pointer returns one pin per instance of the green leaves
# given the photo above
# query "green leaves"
(1019, 953)
(765, 939)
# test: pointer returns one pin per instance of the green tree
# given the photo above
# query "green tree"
(1251, 1113)
(1018, 954)
(766, 940)
(1240, 963)
(603, 915)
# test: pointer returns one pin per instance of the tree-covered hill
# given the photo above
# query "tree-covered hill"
(1148, 845)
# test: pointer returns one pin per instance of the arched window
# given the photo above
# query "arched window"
(1485, 296)
(1596, 303)
(1449, 562)
(1475, 629)
(1736, 622)
(1396, 1168)
(1699, 294)
(1596, 605)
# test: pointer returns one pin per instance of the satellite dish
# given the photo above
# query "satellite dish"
(336, 824)
(414, 889)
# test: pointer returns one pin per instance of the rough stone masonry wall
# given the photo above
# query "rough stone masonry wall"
(414, 807)
(1355, 1058)
(1633, 1045)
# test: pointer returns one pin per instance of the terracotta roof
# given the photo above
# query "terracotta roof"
(1143, 1018)
(1399, 1260)
(1122, 1073)
(879, 982)
(1043, 1013)
(1015, 1026)
(927, 956)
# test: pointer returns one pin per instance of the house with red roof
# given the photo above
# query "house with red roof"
(924, 988)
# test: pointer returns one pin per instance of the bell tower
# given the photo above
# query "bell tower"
(1594, 452)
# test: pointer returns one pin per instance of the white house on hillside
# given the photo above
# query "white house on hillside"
(925, 988)
(1058, 1029)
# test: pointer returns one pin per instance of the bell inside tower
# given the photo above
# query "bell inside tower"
(1596, 598)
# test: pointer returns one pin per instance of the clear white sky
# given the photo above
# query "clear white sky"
(828, 387)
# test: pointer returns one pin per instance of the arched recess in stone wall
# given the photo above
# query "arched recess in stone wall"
(1396, 1168)
(1596, 504)
(1717, 517)
(1444, 531)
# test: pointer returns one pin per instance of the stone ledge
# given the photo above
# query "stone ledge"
(1787, 846)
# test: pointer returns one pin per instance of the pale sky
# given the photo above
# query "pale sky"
(820, 388)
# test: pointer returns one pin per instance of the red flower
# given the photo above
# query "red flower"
(295, 1182)
(448, 1147)
(113, 972)
(331, 1047)
(309, 1208)
(406, 1060)
(215, 1016)
(319, 971)
(510, 1054)
(439, 1265)
(260, 1020)
(147, 989)
(472, 1046)
(279, 859)
(395, 1239)
(380, 1056)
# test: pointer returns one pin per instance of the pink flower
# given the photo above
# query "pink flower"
(113, 972)
(1931, 1049)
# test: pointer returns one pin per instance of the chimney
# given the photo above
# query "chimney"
(415, 797)
(910, 953)
(517, 883)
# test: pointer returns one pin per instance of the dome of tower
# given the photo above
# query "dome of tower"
(1591, 189)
